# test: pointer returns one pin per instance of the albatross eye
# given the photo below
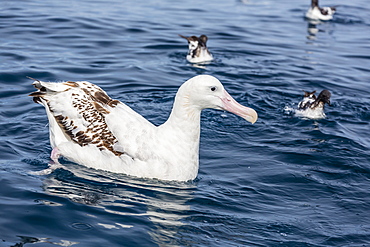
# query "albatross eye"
(213, 89)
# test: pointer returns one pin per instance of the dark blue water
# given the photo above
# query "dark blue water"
(284, 181)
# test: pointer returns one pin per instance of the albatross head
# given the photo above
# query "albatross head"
(205, 91)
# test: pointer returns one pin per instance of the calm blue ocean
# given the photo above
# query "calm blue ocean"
(284, 181)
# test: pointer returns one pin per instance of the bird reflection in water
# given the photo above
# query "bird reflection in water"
(312, 29)
(164, 204)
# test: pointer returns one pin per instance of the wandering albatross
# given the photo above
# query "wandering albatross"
(89, 128)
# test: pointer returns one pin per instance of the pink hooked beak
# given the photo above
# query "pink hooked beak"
(229, 104)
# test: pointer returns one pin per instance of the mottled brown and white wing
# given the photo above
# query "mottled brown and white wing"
(79, 109)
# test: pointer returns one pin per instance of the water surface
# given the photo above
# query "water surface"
(284, 181)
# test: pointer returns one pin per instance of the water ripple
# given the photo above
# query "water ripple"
(283, 181)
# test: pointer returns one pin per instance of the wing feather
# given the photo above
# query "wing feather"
(79, 108)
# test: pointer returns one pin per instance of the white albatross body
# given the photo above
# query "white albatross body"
(89, 128)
